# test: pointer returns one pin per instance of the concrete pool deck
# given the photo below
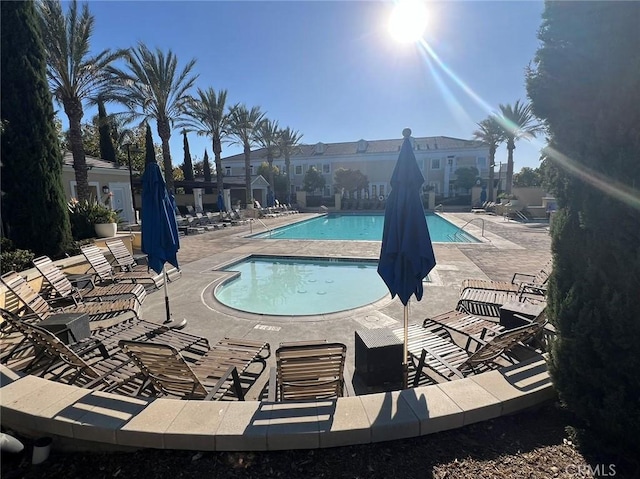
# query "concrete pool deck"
(84, 418)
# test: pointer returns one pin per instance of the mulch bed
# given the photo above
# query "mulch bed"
(532, 444)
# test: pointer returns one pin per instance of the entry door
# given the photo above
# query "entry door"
(121, 200)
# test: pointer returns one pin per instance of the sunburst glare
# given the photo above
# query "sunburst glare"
(408, 21)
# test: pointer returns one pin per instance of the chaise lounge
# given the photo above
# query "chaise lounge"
(308, 371)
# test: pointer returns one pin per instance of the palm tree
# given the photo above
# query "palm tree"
(153, 84)
(289, 144)
(517, 122)
(74, 76)
(268, 138)
(490, 132)
(243, 128)
(206, 116)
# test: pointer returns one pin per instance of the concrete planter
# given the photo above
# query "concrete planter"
(106, 230)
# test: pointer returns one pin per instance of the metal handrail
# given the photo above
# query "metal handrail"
(471, 220)
(270, 230)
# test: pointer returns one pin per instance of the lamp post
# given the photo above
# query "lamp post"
(133, 196)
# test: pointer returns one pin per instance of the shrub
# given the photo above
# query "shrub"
(12, 259)
(594, 127)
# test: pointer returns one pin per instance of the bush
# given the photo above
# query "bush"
(12, 259)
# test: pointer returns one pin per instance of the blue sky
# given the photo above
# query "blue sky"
(331, 70)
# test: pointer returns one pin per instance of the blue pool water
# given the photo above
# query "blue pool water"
(363, 228)
(299, 286)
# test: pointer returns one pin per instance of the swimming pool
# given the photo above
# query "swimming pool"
(300, 286)
(366, 227)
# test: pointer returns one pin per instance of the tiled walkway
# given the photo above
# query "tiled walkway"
(88, 418)
(506, 247)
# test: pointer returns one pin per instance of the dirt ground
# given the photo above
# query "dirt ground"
(534, 444)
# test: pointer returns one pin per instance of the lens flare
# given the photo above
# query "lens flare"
(625, 193)
(614, 188)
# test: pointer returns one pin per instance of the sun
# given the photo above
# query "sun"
(408, 21)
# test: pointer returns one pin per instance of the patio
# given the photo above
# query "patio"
(162, 423)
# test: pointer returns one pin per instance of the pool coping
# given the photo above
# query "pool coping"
(209, 299)
(479, 238)
(84, 419)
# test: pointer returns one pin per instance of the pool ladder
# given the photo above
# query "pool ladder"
(270, 230)
(460, 231)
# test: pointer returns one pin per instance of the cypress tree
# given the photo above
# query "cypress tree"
(206, 169)
(586, 86)
(187, 166)
(149, 150)
(34, 211)
(107, 151)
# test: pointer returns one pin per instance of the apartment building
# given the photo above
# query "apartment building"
(438, 158)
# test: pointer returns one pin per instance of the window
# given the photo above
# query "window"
(298, 169)
(435, 164)
(482, 163)
(319, 148)
(326, 168)
(227, 171)
(362, 146)
(450, 160)
(93, 190)
(374, 191)
(381, 190)
(251, 169)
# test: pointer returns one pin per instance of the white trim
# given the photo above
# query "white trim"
(74, 188)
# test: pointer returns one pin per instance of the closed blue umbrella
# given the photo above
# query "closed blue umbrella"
(270, 199)
(221, 208)
(159, 227)
(406, 255)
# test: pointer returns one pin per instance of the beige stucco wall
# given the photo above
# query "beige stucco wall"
(530, 195)
(100, 176)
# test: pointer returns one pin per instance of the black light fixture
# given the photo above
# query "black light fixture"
(105, 190)
(135, 149)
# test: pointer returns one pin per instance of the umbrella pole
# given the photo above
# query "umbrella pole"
(169, 321)
(405, 358)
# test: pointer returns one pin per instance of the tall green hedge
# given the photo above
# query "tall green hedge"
(585, 84)
(34, 212)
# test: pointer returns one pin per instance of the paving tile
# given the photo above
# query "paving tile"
(243, 427)
(435, 410)
(12, 392)
(147, 428)
(296, 424)
(346, 422)
(476, 402)
(520, 386)
(194, 427)
(102, 414)
(390, 417)
(35, 402)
